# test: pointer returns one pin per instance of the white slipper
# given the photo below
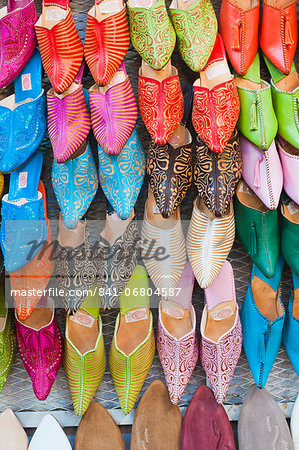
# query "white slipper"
(49, 435)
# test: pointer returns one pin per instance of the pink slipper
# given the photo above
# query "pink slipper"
(221, 332)
(176, 339)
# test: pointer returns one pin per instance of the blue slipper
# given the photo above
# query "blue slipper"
(23, 117)
(121, 176)
(262, 336)
(75, 183)
(23, 228)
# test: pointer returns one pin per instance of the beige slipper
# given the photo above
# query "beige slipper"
(157, 422)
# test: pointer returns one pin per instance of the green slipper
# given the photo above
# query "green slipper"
(257, 120)
(84, 354)
(152, 33)
(290, 232)
(133, 345)
(285, 102)
(258, 229)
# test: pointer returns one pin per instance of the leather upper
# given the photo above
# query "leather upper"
(279, 34)
(239, 30)
(102, 51)
(216, 176)
(61, 52)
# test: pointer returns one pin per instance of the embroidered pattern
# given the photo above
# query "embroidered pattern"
(106, 44)
(170, 175)
(215, 114)
(196, 31)
(152, 34)
(216, 176)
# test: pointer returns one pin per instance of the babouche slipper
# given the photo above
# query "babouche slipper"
(153, 412)
(23, 227)
(48, 435)
(23, 117)
(133, 345)
(98, 430)
(12, 434)
(177, 343)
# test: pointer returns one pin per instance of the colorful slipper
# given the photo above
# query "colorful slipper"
(290, 232)
(262, 317)
(49, 435)
(207, 231)
(285, 95)
(107, 39)
(113, 112)
(153, 412)
(133, 346)
(195, 24)
(98, 430)
(17, 39)
(23, 117)
(221, 332)
(8, 346)
(117, 252)
(60, 46)
(163, 247)
(261, 413)
(75, 183)
(289, 157)
(40, 345)
(35, 275)
(151, 31)
(177, 343)
(75, 260)
(84, 352)
(160, 101)
(262, 172)
(213, 118)
(291, 325)
(68, 119)
(257, 228)
(23, 227)
(121, 176)
(257, 120)
(206, 424)
(238, 26)
(170, 166)
(279, 33)
(216, 175)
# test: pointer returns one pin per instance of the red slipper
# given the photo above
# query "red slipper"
(216, 105)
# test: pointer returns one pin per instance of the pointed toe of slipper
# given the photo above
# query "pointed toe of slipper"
(170, 175)
(121, 176)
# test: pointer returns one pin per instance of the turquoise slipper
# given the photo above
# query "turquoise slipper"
(75, 183)
(23, 117)
(23, 228)
(121, 176)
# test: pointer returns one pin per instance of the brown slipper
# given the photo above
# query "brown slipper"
(154, 411)
(98, 431)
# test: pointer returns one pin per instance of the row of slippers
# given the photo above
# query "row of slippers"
(159, 424)
(195, 25)
(263, 320)
(257, 227)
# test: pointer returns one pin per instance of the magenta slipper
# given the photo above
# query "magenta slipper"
(17, 39)
(113, 112)
(176, 338)
(221, 332)
(40, 347)
(68, 119)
